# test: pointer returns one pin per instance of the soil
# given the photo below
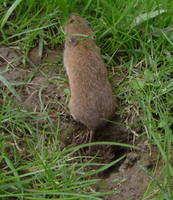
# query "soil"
(130, 181)
(45, 86)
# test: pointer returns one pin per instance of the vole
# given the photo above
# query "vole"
(91, 101)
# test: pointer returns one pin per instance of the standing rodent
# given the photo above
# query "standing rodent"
(91, 93)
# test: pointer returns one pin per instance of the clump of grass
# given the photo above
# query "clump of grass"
(132, 38)
(32, 164)
(149, 86)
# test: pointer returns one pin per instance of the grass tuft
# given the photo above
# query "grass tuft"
(135, 38)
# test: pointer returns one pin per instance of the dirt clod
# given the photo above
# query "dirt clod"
(130, 160)
(35, 56)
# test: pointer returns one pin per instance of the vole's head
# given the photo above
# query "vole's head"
(77, 25)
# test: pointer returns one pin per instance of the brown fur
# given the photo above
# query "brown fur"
(91, 94)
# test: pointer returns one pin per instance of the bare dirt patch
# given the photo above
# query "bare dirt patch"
(130, 180)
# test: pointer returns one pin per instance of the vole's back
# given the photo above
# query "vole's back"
(91, 94)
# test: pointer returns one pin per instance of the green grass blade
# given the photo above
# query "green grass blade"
(10, 87)
(146, 16)
(9, 12)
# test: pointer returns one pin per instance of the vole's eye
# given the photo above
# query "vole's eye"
(71, 20)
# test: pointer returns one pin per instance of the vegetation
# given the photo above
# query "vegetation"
(136, 42)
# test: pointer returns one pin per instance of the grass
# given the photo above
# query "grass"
(135, 46)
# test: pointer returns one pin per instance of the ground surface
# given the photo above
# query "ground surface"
(45, 87)
(43, 155)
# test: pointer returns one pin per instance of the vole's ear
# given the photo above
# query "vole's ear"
(73, 40)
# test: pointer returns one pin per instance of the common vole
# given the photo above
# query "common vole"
(91, 94)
